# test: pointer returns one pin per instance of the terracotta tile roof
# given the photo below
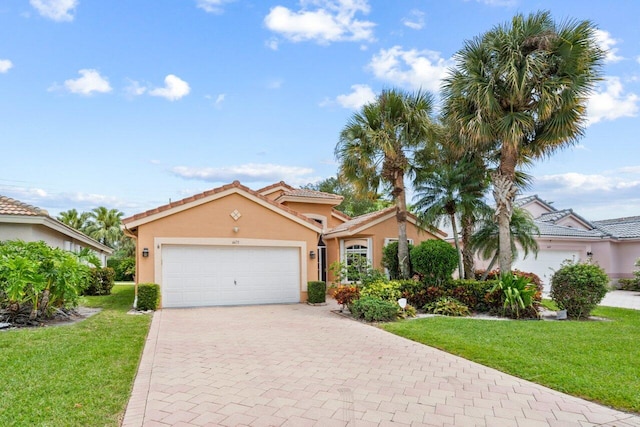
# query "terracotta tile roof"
(276, 185)
(9, 206)
(313, 194)
(340, 214)
(361, 220)
(234, 184)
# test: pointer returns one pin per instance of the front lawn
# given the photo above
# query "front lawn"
(79, 374)
(595, 360)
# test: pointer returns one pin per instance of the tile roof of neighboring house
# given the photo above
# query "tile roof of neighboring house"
(551, 229)
(276, 185)
(622, 228)
(519, 202)
(303, 192)
(361, 220)
(9, 206)
(234, 184)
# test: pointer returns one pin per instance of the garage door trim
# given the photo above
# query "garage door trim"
(231, 242)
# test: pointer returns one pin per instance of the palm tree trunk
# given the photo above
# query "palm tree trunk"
(486, 272)
(504, 192)
(454, 228)
(467, 254)
(401, 217)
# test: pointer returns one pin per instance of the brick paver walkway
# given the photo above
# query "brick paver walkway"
(296, 365)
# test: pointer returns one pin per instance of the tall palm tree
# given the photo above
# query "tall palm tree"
(448, 189)
(74, 220)
(104, 225)
(376, 150)
(523, 231)
(519, 92)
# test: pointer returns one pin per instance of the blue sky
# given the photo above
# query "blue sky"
(128, 104)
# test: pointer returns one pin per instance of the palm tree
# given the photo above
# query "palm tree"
(450, 188)
(376, 150)
(74, 220)
(519, 92)
(104, 225)
(486, 239)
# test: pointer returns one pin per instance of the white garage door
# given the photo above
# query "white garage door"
(229, 275)
(547, 263)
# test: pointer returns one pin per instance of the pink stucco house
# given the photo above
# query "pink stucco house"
(614, 244)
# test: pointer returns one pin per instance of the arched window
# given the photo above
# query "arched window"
(357, 261)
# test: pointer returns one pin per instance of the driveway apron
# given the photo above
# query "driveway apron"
(298, 365)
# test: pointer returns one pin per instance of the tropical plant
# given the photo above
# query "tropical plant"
(518, 293)
(449, 188)
(435, 259)
(383, 289)
(104, 226)
(36, 279)
(377, 147)
(486, 239)
(447, 306)
(578, 288)
(75, 220)
(518, 93)
(346, 294)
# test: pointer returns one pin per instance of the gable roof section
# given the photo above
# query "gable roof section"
(549, 229)
(360, 223)
(522, 202)
(17, 212)
(205, 197)
(278, 186)
(558, 215)
(620, 228)
(302, 195)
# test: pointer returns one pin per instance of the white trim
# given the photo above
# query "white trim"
(158, 242)
(308, 199)
(58, 226)
(215, 196)
(322, 218)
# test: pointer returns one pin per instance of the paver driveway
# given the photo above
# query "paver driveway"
(299, 365)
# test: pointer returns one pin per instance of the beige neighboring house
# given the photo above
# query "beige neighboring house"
(25, 222)
(614, 244)
(232, 245)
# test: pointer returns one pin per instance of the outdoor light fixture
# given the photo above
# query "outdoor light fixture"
(236, 229)
(145, 252)
(312, 255)
(589, 253)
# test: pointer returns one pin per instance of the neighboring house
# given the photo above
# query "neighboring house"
(25, 222)
(614, 244)
(233, 245)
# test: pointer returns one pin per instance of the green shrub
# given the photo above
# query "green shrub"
(632, 284)
(374, 309)
(435, 260)
(148, 296)
(35, 279)
(518, 296)
(346, 294)
(390, 259)
(316, 292)
(414, 291)
(385, 290)
(447, 306)
(578, 288)
(125, 268)
(101, 281)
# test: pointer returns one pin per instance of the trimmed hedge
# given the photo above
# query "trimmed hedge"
(101, 281)
(316, 292)
(435, 260)
(148, 296)
(374, 309)
(579, 288)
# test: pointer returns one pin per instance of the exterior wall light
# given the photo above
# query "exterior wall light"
(589, 253)
(312, 255)
(145, 252)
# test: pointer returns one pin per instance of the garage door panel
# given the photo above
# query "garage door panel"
(223, 275)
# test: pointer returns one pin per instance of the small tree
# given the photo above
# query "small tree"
(579, 288)
(390, 260)
(435, 260)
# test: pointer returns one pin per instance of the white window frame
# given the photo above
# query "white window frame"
(368, 242)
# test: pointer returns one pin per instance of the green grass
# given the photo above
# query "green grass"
(73, 375)
(595, 360)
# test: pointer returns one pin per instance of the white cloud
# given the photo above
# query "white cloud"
(607, 43)
(135, 89)
(610, 102)
(174, 88)
(57, 10)
(90, 81)
(359, 96)
(415, 21)
(5, 65)
(219, 100)
(602, 195)
(275, 84)
(410, 68)
(328, 21)
(251, 172)
(212, 6)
